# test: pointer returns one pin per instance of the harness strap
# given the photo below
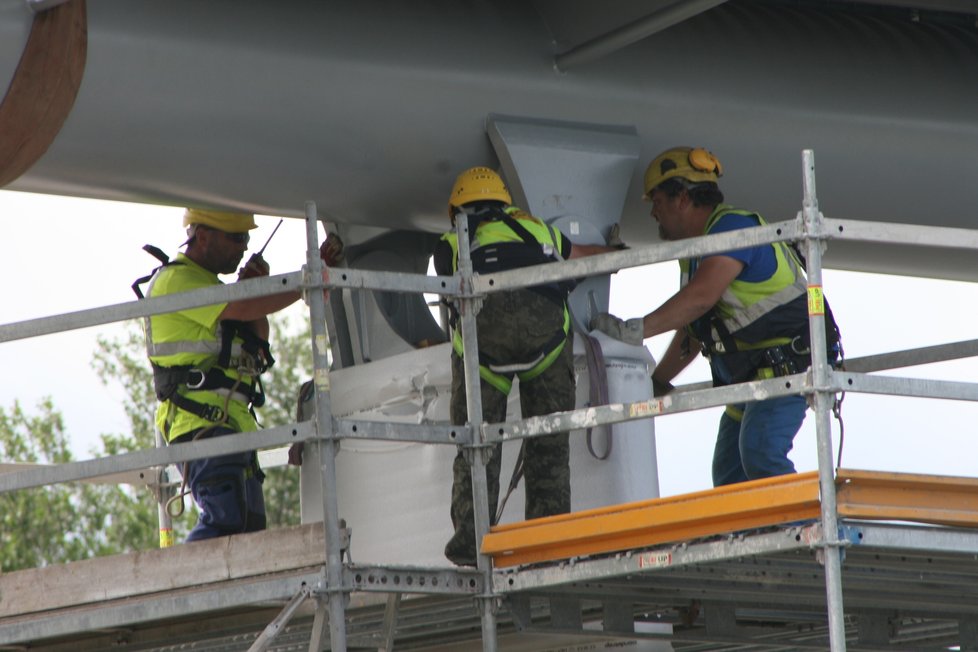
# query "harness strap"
(203, 410)
(522, 231)
(168, 380)
(160, 256)
(552, 347)
(561, 289)
(258, 348)
(513, 368)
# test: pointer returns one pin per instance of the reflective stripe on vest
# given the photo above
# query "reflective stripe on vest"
(191, 344)
(746, 303)
(495, 231)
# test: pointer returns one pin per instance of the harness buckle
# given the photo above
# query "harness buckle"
(781, 364)
(196, 379)
(796, 343)
(213, 413)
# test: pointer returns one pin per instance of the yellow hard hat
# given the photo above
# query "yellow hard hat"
(478, 184)
(226, 221)
(694, 164)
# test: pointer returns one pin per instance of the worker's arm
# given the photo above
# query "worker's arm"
(614, 244)
(712, 278)
(260, 327)
(678, 355)
(581, 250)
(257, 308)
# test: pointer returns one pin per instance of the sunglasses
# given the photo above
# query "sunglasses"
(240, 238)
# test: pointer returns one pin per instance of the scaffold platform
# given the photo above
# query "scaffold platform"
(698, 580)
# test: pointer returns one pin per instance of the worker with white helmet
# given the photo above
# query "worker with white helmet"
(746, 310)
(522, 333)
(207, 363)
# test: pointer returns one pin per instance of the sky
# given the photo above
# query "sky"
(66, 254)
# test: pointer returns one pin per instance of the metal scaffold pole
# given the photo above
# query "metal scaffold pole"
(468, 308)
(327, 445)
(812, 224)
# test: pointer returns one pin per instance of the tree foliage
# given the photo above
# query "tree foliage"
(71, 521)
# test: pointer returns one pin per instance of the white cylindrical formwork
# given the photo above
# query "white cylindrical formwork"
(629, 470)
(395, 496)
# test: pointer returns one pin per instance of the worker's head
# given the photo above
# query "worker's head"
(217, 240)
(681, 181)
(477, 185)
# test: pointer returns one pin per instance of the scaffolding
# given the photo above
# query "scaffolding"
(726, 574)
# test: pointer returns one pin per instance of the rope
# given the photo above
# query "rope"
(837, 407)
(598, 387)
(514, 482)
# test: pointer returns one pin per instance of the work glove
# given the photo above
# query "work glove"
(614, 237)
(331, 251)
(629, 332)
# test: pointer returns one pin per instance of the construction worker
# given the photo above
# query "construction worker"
(522, 333)
(207, 364)
(746, 310)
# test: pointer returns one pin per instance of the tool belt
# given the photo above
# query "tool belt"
(167, 381)
(771, 362)
(785, 360)
(744, 363)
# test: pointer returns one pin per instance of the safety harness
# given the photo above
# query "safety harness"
(501, 256)
(255, 359)
(505, 255)
(753, 351)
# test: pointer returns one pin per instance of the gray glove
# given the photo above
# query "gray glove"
(629, 332)
(614, 237)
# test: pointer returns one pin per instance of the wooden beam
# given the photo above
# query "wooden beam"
(43, 88)
(187, 565)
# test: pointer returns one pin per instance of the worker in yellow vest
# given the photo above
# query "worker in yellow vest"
(523, 333)
(207, 364)
(746, 310)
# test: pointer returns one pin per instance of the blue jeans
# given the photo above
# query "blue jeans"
(228, 491)
(757, 445)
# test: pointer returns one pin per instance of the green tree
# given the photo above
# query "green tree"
(55, 524)
(71, 521)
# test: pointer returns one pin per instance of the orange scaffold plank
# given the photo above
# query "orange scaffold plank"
(874, 495)
(634, 525)
(942, 500)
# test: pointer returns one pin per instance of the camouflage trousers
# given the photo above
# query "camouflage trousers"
(514, 327)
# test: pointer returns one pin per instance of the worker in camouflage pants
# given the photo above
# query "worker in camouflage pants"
(523, 333)
(514, 325)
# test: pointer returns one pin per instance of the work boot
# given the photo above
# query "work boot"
(460, 549)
